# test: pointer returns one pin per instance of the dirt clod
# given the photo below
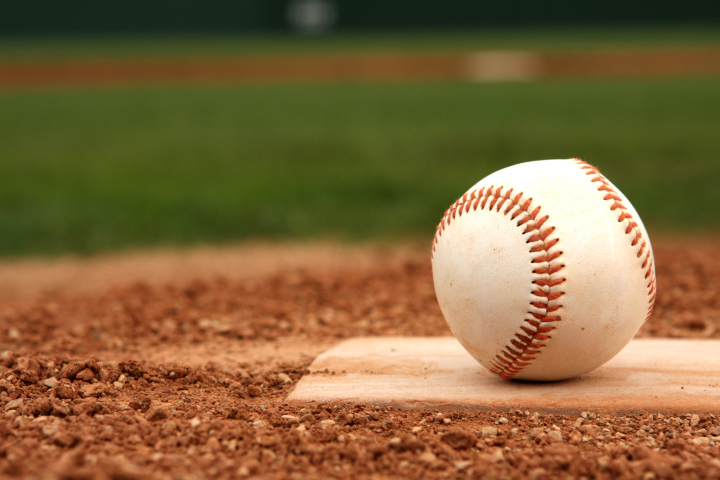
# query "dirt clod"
(458, 439)
(85, 375)
(140, 403)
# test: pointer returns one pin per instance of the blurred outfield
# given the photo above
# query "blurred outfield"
(87, 170)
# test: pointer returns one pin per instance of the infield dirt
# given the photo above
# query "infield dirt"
(480, 66)
(177, 365)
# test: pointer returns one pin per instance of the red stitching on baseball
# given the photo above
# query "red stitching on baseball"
(632, 228)
(528, 342)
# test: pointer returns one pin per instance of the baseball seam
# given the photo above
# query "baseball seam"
(631, 227)
(542, 316)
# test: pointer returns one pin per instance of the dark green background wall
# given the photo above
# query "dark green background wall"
(31, 17)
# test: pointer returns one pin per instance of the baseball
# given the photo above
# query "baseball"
(543, 270)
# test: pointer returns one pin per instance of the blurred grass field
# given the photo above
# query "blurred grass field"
(90, 170)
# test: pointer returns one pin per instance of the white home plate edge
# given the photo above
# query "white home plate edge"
(436, 372)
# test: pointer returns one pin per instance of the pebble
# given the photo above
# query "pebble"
(290, 419)
(213, 444)
(463, 464)
(603, 461)
(416, 429)
(590, 430)
(538, 472)
(169, 427)
(308, 417)
(14, 333)
(458, 439)
(284, 377)
(14, 404)
(694, 420)
(555, 436)
(51, 382)
(63, 440)
(50, 430)
(502, 421)
(87, 406)
(59, 409)
(267, 455)
(427, 457)
(92, 390)
(489, 432)
(85, 375)
(497, 455)
(195, 422)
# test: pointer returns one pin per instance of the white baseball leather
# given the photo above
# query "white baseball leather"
(543, 270)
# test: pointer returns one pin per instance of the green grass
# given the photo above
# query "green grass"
(203, 46)
(87, 171)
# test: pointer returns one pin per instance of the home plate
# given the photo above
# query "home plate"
(436, 372)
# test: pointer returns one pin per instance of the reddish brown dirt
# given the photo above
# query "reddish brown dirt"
(378, 67)
(185, 375)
